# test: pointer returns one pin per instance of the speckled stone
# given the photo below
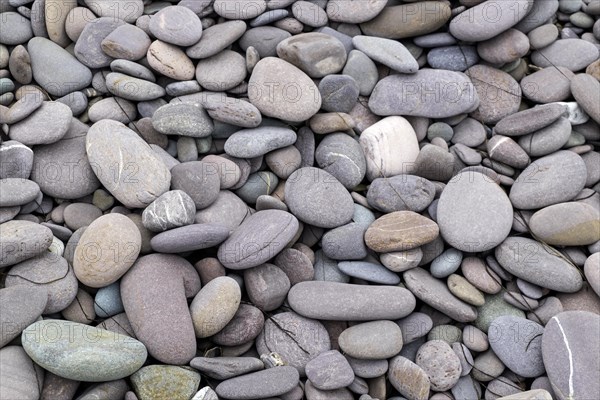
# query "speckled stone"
(160, 381)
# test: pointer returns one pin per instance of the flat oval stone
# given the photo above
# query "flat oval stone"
(216, 38)
(176, 25)
(171, 210)
(329, 371)
(573, 54)
(567, 224)
(481, 23)
(548, 85)
(264, 39)
(295, 338)
(158, 308)
(440, 363)
(345, 302)
(244, 327)
(548, 139)
(198, 180)
(22, 240)
(21, 306)
(223, 368)
(17, 192)
(405, 94)
(409, 379)
(530, 120)
(271, 382)
(531, 261)
(281, 90)
(401, 193)
(585, 90)
(435, 293)
(507, 47)
(453, 58)
(371, 340)
(318, 198)
(227, 210)
(473, 197)
(170, 60)
(88, 48)
(368, 271)
(258, 239)
(17, 28)
(250, 143)
(518, 343)
(592, 271)
(106, 250)
(21, 377)
(48, 124)
(215, 305)
(130, 182)
(569, 356)
(107, 301)
(81, 352)
(552, 179)
(267, 286)
(379, 139)
(353, 12)
(388, 52)
(417, 19)
(189, 238)
(499, 93)
(315, 53)
(183, 119)
(400, 231)
(127, 42)
(154, 381)
(131, 88)
(221, 72)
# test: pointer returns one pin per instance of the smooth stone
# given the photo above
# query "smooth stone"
(371, 340)
(88, 48)
(535, 394)
(126, 42)
(22, 240)
(21, 306)
(115, 108)
(223, 368)
(317, 54)
(171, 210)
(189, 238)
(223, 294)
(132, 69)
(81, 309)
(378, 141)
(20, 68)
(221, 72)
(368, 368)
(440, 363)
(183, 119)
(474, 197)
(257, 185)
(330, 370)
(258, 239)
(364, 71)
(339, 93)
(244, 9)
(469, 132)
(436, 294)
(48, 124)
(487, 366)
(396, 94)
(78, 215)
(229, 172)
(271, 382)
(162, 381)
(573, 54)
(400, 231)
(521, 351)
(351, 13)
(244, 327)
(417, 19)
(21, 109)
(295, 338)
(542, 36)
(131, 88)
(533, 263)
(228, 210)
(370, 272)
(107, 301)
(388, 52)
(537, 15)
(474, 24)
(466, 388)
(169, 60)
(21, 377)
(547, 140)
(548, 85)
(135, 187)
(281, 90)
(318, 198)
(569, 356)
(176, 25)
(585, 89)
(495, 306)
(566, 224)
(250, 143)
(106, 250)
(400, 193)
(498, 92)
(474, 339)
(235, 112)
(592, 271)
(552, 179)
(16, 28)
(409, 379)
(284, 161)
(112, 389)
(345, 242)
(453, 58)
(267, 286)
(17, 192)
(309, 14)
(129, 11)
(465, 291)
(414, 326)
(80, 352)
(264, 39)
(341, 301)
(446, 263)
(327, 269)
(465, 357)
(269, 17)
(507, 47)
(297, 265)
(530, 120)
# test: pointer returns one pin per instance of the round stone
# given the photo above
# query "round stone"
(400, 193)
(499, 93)
(573, 54)
(22, 240)
(78, 215)
(548, 85)
(17, 28)
(317, 54)
(339, 93)
(127, 42)
(244, 327)
(21, 377)
(183, 119)
(221, 72)
(566, 224)
(267, 286)
(400, 231)
(171, 210)
(453, 58)
(505, 48)
(176, 25)
(199, 180)
(318, 198)
(170, 60)
(371, 340)
(440, 363)
(48, 124)
(17, 192)
(388, 52)
(164, 381)
(215, 305)
(409, 379)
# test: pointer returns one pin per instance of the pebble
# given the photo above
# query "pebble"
(342, 302)
(399, 231)
(171, 210)
(154, 381)
(518, 343)
(530, 120)
(465, 291)
(566, 224)
(548, 85)
(345, 242)
(392, 96)
(131, 88)
(21, 307)
(453, 58)
(195, 123)
(388, 52)
(440, 363)
(78, 215)
(585, 90)
(364, 71)
(543, 36)
(243, 328)
(256, 142)
(21, 378)
(71, 353)
(339, 93)
(573, 54)
(224, 368)
(494, 103)
(505, 48)
(107, 301)
(223, 294)
(592, 271)
(221, 72)
(176, 25)
(17, 28)
(170, 61)
(126, 42)
(267, 286)
(370, 272)
(568, 356)
(47, 124)
(371, 340)
(547, 140)
(400, 193)
(329, 371)
(495, 306)
(317, 54)
(189, 238)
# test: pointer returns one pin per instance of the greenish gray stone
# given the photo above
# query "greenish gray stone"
(165, 382)
(495, 306)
